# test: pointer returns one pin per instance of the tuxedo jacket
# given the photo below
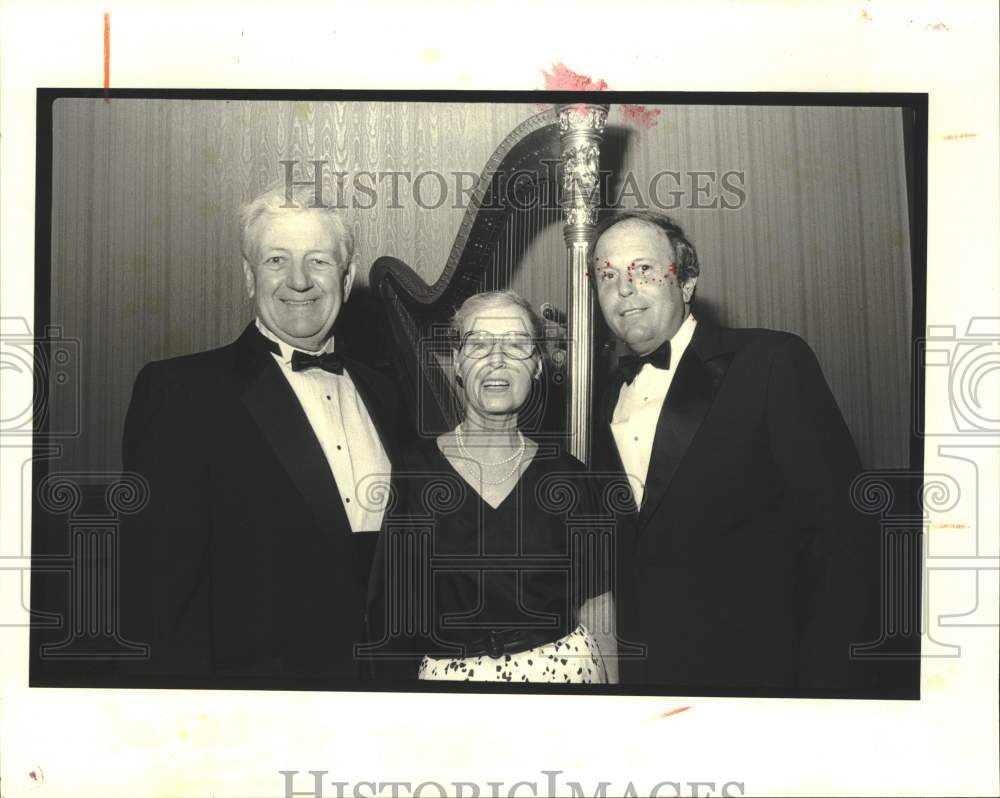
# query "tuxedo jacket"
(243, 565)
(746, 565)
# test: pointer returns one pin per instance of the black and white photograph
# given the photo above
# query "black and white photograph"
(385, 393)
(499, 400)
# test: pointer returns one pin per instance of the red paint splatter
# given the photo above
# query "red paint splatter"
(938, 26)
(107, 54)
(639, 115)
(562, 78)
(673, 712)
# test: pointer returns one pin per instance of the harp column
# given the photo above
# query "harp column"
(581, 129)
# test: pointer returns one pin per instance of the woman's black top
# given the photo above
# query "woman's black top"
(470, 579)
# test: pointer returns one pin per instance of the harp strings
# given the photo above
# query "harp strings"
(535, 208)
(427, 355)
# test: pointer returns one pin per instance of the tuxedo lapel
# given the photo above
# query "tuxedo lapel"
(275, 408)
(692, 391)
(379, 411)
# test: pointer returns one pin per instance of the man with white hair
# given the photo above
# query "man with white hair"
(265, 461)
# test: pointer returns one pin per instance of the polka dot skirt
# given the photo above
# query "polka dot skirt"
(573, 659)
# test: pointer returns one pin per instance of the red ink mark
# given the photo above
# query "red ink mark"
(107, 54)
(672, 268)
(952, 136)
(673, 712)
(640, 115)
(562, 78)
(938, 26)
(864, 15)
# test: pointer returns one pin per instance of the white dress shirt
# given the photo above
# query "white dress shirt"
(638, 411)
(345, 432)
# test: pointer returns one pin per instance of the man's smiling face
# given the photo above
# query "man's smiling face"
(638, 288)
(298, 276)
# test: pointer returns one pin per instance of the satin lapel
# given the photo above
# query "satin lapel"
(376, 578)
(692, 391)
(274, 406)
(379, 415)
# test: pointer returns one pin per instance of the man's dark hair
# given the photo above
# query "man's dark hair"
(684, 251)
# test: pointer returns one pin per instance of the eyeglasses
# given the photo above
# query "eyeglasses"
(515, 345)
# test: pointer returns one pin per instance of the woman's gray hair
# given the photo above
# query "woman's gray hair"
(489, 300)
(277, 198)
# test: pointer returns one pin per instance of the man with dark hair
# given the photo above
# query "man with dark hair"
(266, 461)
(743, 563)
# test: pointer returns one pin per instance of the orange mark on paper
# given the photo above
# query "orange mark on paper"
(107, 53)
(952, 136)
(864, 15)
(938, 26)
(950, 526)
(673, 712)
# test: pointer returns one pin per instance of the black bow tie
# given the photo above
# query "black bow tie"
(328, 361)
(629, 365)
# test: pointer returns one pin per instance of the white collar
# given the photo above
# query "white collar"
(679, 343)
(286, 348)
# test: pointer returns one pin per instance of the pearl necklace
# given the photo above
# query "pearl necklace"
(517, 456)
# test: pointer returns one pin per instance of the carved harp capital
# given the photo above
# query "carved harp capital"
(581, 217)
(582, 117)
(581, 129)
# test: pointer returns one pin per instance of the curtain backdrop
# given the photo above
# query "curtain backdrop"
(145, 248)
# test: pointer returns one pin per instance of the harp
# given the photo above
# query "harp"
(528, 228)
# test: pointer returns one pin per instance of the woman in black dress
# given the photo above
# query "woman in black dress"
(492, 553)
